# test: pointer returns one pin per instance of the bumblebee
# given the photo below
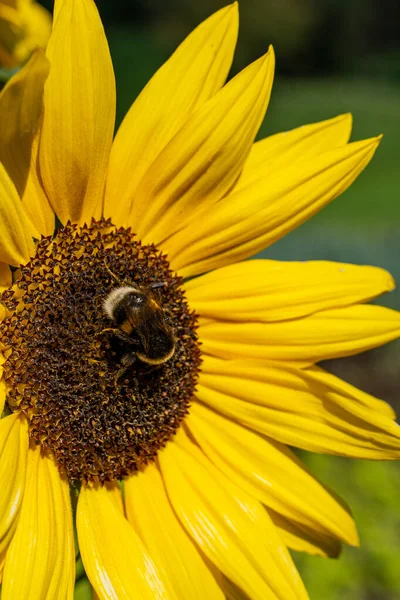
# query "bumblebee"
(141, 322)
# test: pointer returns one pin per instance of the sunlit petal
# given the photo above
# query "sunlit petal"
(13, 453)
(151, 514)
(232, 530)
(40, 561)
(115, 559)
(263, 469)
(326, 334)
(204, 159)
(79, 114)
(284, 149)
(193, 74)
(269, 290)
(252, 218)
(308, 409)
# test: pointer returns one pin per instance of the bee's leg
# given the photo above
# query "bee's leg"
(151, 369)
(113, 275)
(127, 361)
(120, 335)
(107, 329)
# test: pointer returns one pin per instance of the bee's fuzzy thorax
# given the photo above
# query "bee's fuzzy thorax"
(114, 298)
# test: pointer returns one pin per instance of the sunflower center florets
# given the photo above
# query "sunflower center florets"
(104, 386)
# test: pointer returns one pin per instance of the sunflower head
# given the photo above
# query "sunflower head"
(64, 365)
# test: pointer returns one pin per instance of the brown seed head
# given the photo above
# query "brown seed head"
(61, 371)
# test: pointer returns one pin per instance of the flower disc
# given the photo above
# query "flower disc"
(63, 363)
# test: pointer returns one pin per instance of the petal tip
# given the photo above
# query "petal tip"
(390, 282)
(230, 12)
(346, 118)
(354, 540)
(266, 61)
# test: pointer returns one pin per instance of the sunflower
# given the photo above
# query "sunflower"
(24, 24)
(177, 476)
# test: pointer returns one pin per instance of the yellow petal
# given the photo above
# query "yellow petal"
(13, 452)
(303, 539)
(24, 25)
(193, 74)
(367, 401)
(5, 277)
(16, 244)
(79, 113)
(298, 145)
(10, 26)
(205, 158)
(269, 472)
(326, 334)
(116, 562)
(2, 560)
(269, 290)
(36, 28)
(9, 12)
(22, 101)
(3, 391)
(231, 528)
(252, 218)
(303, 408)
(40, 561)
(151, 514)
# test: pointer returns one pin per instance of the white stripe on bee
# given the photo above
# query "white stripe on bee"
(115, 297)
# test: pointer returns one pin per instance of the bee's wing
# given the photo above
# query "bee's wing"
(150, 321)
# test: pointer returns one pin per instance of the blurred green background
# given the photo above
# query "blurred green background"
(333, 56)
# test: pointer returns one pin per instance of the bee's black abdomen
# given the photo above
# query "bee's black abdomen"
(162, 345)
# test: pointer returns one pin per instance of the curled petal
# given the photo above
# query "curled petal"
(263, 469)
(22, 101)
(308, 409)
(306, 539)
